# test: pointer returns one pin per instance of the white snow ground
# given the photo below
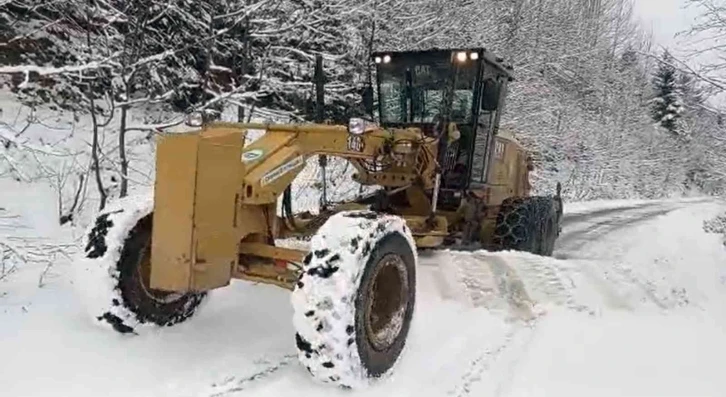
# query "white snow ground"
(634, 304)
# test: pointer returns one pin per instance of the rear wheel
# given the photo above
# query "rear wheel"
(529, 224)
(118, 257)
(355, 298)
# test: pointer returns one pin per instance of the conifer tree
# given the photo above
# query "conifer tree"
(667, 105)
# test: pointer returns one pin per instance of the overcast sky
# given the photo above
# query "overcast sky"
(665, 18)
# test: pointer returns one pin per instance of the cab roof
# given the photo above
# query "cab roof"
(439, 53)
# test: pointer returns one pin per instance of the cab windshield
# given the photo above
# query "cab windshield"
(414, 93)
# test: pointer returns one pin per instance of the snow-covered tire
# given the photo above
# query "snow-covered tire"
(529, 224)
(113, 273)
(359, 280)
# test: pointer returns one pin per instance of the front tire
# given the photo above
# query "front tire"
(117, 268)
(355, 299)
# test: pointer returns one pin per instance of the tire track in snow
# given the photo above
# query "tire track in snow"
(613, 298)
(579, 217)
(233, 384)
(505, 355)
(571, 242)
(480, 365)
(512, 358)
(601, 213)
(649, 292)
(491, 282)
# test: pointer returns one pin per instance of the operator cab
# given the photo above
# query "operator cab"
(429, 90)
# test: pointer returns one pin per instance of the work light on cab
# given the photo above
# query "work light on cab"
(356, 126)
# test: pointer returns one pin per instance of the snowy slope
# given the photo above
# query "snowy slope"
(632, 305)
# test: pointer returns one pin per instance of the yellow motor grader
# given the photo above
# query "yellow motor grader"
(445, 176)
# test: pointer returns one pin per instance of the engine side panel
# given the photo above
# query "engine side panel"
(508, 171)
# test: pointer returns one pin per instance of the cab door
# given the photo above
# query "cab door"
(487, 124)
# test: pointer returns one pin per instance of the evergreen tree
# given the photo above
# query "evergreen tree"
(667, 106)
(692, 93)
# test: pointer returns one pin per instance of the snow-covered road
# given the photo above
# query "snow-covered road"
(633, 304)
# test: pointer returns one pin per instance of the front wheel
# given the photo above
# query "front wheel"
(115, 271)
(355, 299)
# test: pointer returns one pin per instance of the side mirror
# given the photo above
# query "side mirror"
(490, 95)
(368, 99)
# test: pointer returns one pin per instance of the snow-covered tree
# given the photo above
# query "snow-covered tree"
(707, 34)
(667, 104)
(580, 101)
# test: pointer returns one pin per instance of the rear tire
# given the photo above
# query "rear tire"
(355, 299)
(529, 224)
(116, 268)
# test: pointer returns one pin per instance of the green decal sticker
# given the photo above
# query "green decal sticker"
(251, 155)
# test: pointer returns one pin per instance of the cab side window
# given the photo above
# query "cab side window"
(491, 91)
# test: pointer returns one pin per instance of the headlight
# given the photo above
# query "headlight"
(403, 147)
(194, 119)
(386, 58)
(356, 126)
(461, 56)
